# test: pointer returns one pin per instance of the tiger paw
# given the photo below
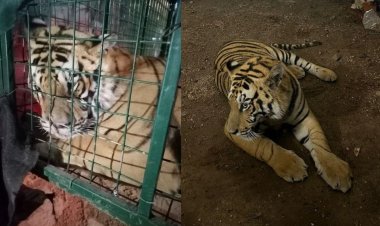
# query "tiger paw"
(326, 74)
(334, 171)
(289, 166)
(298, 71)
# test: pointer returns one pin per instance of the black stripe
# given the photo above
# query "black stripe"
(296, 60)
(257, 71)
(249, 80)
(304, 139)
(114, 129)
(277, 56)
(287, 57)
(61, 58)
(39, 50)
(35, 60)
(285, 60)
(294, 95)
(256, 95)
(301, 109)
(270, 107)
(63, 43)
(264, 64)
(80, 66)
(260, 103)
(115, 85)
(288, 61)
(45, 59)
(303, 118)
(41, 43)
(307, 64)
(61, 50)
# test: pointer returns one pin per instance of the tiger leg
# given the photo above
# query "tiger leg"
(284, 162)
(323, 73)
(332, 169)
(290, 58)
(320, 72)
(298, 71)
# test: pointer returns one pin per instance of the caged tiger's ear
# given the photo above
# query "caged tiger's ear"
(109, 41)
(232, 65)
(36, 25)
(275, 76)
(96, 47)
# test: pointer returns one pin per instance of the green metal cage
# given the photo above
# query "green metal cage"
(146, 28)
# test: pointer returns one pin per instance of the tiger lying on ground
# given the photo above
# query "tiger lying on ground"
(110, 110)
(261, 85)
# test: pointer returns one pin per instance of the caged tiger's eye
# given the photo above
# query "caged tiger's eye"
(83, 104)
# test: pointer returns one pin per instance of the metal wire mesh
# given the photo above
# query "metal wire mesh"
(142, 27)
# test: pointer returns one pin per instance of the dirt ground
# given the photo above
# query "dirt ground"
(42, 203)
(222, 185)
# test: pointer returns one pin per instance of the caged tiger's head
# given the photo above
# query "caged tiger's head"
(254, 94)
(59, 85)
(62, 115)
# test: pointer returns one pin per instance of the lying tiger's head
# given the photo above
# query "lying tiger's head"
(64, 94)
(253, 94)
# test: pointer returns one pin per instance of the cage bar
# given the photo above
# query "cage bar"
(149, 28)
(106, 202)
(6, 80)
(162, 119)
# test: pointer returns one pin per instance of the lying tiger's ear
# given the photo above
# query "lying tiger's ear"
(275, 76)
(232, 65)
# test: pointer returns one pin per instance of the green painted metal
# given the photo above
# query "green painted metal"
(120, 209)
(72, 88)
(139, 39)
(162, 120)
(137, 44)
(152, 33)
(6, 64)
(106, 16)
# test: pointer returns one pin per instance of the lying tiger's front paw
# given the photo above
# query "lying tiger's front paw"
(326, 74)
(289, 166)
(334, 171)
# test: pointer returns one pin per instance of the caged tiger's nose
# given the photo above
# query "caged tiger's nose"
(66, 125)
(60, 122)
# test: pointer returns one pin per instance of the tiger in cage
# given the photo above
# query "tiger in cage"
(260, 83)
(72, 102)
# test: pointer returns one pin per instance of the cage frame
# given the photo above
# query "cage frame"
(124, 211)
